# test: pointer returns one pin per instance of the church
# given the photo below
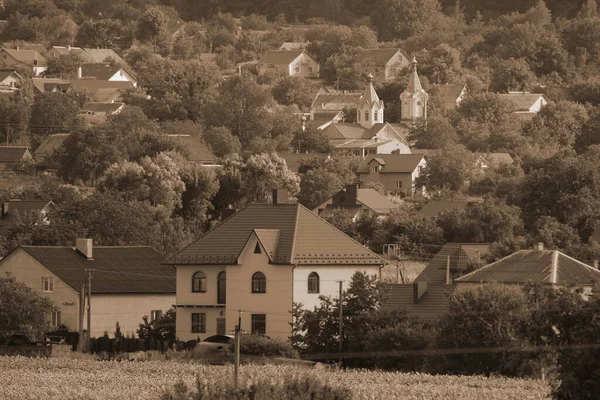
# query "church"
(370, 134)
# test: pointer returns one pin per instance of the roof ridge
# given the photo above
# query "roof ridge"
(462, 278)
(577, 261)
(295, 234)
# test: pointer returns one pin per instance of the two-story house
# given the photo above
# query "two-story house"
(385, 64)
(256, 264)
(397, 172)
(128, 282)
(291, 63)
(357, 202)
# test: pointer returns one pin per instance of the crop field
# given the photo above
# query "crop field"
(29, 378)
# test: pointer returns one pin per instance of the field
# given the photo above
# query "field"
(28, 378)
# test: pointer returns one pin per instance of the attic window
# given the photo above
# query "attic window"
(375, 168)
(257, 249)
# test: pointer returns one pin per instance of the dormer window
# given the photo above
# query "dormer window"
(375, 116)
(375, 168)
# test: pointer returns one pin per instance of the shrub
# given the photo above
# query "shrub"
(264, 346)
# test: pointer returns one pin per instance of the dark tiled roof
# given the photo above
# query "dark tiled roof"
(21, 209)
(5, 73)
(135, 269)
(344, 131)
(27, 57)
(523, 101)
(430, 307)
(392, 163)
(448, 93)
(92, 85)
(460, 254)
(379, 57)
(12, 154)
(541, 266)
(196, 150)
(280, 57)
(376, 201)
(100, 71)
(435, 207)
(303, 238)
(100, 55)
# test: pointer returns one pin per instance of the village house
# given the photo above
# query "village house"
(357, 202)
(194, 149)
(494, 160)
(291, 46)
(87, 55)
(14, 211)
(291, 63)
(385, 64)
(527, 104)
(256, 264)
(328, 108)
(23, 58)
(104, 91)
(10, 80)
(47, 148)
(106, 72)
(128, 283)
(396, 172)
(11, 157)
(101, 109)
(449, 96)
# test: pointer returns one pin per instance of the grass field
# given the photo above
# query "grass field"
(27, 378)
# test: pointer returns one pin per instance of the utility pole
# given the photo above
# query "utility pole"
(80, 346)
(238, 328)
(89, 304)
(341, 323)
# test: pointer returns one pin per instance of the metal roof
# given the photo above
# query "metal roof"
(460, 254)
(430, 307)
(394, 163)
(283, 57)
(12, 154)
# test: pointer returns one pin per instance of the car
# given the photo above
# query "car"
(215, 349)
(225, 339)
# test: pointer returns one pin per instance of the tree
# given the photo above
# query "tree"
(221, 141)
(294, 90)
(23, 310)
(555, 235)
(152, 28)
(201, 186)
(436, 132)
(399, 19)
(162, 328)
(311, 139)
(102, 33)
(322, 178)
(511, 75)
(450, 168)
(63, 66)
(54, 112)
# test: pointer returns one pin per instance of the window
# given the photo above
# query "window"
(341, 198)
(399, 185)
(199, 282)
(367, 115)
(375, 115)
(198, 323)
(259, 283)
(375, 168)
(311, 69)
(220, 326)
(296, 70)
(259, 324)
(257, 249)
(221, 287)
(47, 284)
(313, 283)
(393, 71)
(155, 315)
(56, 318)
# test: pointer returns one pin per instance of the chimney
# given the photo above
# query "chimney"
(419, 290)
(84, 246)
(79, 72)
(4, 209)
(281, 196)
(539, 246)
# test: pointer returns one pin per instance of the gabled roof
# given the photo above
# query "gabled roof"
(335, 101)
(460, 255)
(304, 239)
(374, 200)
(495, 159)
(280, 57)
(21, 209)
(448, 93)
(98, 107)
(392, 163)
(344, 131)
(379, 57)
(430, 307)
(27, 57)
(434, 207)
(5, 73)
(92, 85)
(523, 101)
(268, 238)
(127, 269)
(81, 53)
(50, 144)
(392, 130)
(539, 266)
(293, 160)
(363, 144)
(101, 71)
(100, 55)
(12, 154)
(196, 150)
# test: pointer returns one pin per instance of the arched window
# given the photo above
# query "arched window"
(259, 283)
(221, 287)
(375, 115)
(313, 283)
(367, 115)
(199, 282)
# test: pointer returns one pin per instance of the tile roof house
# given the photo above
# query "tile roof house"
(290, 63)
(87, 55)
(12, 211)
(261, 260)
(24, 58)
(12, 156)
(491, 160)
(397, 172)
(128, 282)
(49, 145)
(196, 151)
(106, 72)
(384, 64)
(537, 265)
(326, 106)
(105, 91)
(10, 80)
(357, 202)
(452, 261)
(435, 207)
(527, 104)
(449, 96)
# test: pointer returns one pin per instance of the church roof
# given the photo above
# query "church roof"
(414, 84)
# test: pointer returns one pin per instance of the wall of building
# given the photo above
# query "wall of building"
(389, 181)
(329, 276)
(123, 76)
(394, 66)
(305, 63)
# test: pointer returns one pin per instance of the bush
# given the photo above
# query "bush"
(264, 346)
(294, 388)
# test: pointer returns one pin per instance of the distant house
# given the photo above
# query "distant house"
(12, 156)
(327, 108)
(397, 172)
(49, 145)
(449, 96)
(435, 207)
(492, 160)
(10, 80)
(452, 261)
(294, 160)
(358, 202)
(128, 283)
(195, 150)
(14, 210)
(102, 109)
(105, 91)
(386, 63)
(538, 265)
(290, 46)
(262, 260)
(87, 55)
(527, 104)
(23, 58)
(290, 63)
(106, 72)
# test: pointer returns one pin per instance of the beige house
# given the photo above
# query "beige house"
(527, 104)
(449, 96)
(23, 58)
(255, 264)
(12, 211)
(385, 64)
(106, 72)
(10, 80)
(290, 63)
(397, 172)
(128, 283)
(357, 202)
(12, 156)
